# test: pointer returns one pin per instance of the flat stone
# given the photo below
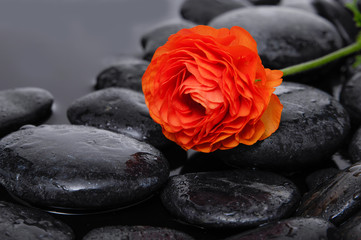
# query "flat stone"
(135, 232)
(22, 106)
(293, 228)
(73, 168)
(124, 111)
(127, 73)
(351, 97)
(318, 177)
(195, 10)
(158, 37)
(335, 200)
(229, 198)
(20, 223)
(313, 127)
(355, 147)
(279, 42)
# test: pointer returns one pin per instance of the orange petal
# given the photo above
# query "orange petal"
(272, 116)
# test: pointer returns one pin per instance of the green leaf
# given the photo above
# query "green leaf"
(357, 61)
(257, 80)
(356, 12)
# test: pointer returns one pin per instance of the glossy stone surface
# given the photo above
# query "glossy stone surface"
(127, 73)
(159, 36)
(229, 198)
(195, 10)
(135, 232)
(79, 168)
(22, 106)
(318, 177)
(351, 229)
(118, 110)
(293, 228)
(351, 97)
(335, 200)
(313, 126)
(279, 43)
(22, 223)
(355, 146)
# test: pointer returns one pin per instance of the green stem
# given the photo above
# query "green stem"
(322, 60)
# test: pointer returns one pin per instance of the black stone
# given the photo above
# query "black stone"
(229, 198)
(135, 232)
(20, 223)
(79, 168)
(318, 177)
(355, 147)
(124, 111)
(351, 97)
(127, 73)
(351, 229)
(293, 228)
(159, 36)
(22, 106)
(335, 200)
(202, 11)
(203, 162)
(279, 42)
(313, 126)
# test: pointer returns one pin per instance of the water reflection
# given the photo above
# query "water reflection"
(62, 45)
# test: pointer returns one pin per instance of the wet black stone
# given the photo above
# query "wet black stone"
(20, 223)
(351, 229)
(293, 228)
(159, 36)
(279, 42)
(202, 11)
(229, 198)
(355, 147)
(335, 200)
(127, 73)
(124, 111)
(318, 177)
(74, 168)
(22, 106)
(351, 97)
(135, 232)
(313, 126)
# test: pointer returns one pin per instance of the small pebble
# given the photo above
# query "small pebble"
(21, 106)
(335, 200)
(127, 74)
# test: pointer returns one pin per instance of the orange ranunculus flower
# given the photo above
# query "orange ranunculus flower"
(208, 89)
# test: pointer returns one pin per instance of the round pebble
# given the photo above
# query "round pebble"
(355, 147)
(127, 73)
(293, 228)
(22, 223)
(22, 106)
(135, 232)
(118, 110)
(335, 200)
(351, 97)
(279, 42)
(195, 10)
(74, 168)
(158, 37)
(229, 198)
(313, 126)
